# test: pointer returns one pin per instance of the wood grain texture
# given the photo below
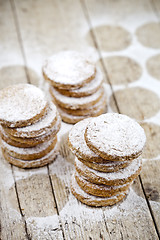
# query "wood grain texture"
(38, 204)
(12, 222)
(110, 13)
(60, 16)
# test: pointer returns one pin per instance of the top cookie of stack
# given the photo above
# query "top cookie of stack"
(29, 125)
(75, 86)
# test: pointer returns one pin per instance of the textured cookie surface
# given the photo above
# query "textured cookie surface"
(91, 200)
(100, 190)
(76, 103)
(74, 119)
(87, 111)
(68, 69)
(37, 129)
(105, 166)
(78, 144)
(112, 178)
(37, 140)
(31, 153)
(12, 142)
(115, 136)
(21, 105)
(87, 89)
(50, 157)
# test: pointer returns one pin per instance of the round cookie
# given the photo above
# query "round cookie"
(106, 166)
(120, 177)
(32, 153)
(37, 140)
(11, 142)
(94, 201)
(68, 70)
(77, 143)
(68, 118)
(21, 105)
(86, 112)
(87, 89)
(47, 159)
(115, 136)
(100, 190)
(76, 103)
(37, 129)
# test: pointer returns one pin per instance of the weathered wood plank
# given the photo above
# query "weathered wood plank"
(36, 21)
(124, 14)
(52, 23)
(21, 198)
(60, 17)
(12, 222)
(37, 203)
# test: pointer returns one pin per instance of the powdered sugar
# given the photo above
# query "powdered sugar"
(48, 158)
(77, 140)
(27, 151)
(40, 127)
(79, 191)
(115, 135)
(124, 173)
(88, 88)
(74, 119)
(20, 102)
(68, 67)
(101, 187)
(74, 103)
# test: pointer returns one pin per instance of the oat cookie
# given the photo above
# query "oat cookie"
(68, 70)
(105, 166)
(76, 103)
(77, 143)
(47, 159)
(100, 190)
(37, 140)
(31, 153)
(94, 201)
(11, 142)
(68, 118)
(87, 89)
(21, 105)
(122, 176)
(115, 136)
(37, 129)
(87, 111)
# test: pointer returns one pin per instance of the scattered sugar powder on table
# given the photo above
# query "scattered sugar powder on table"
(40, 227)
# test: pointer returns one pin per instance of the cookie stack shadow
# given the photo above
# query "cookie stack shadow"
(29, 126)
(107, 150)
(76, 86)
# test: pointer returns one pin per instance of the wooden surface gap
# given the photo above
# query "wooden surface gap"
(19, 205)
(149, 206)
(85, 10)
(50, 180)
(15, 17)
(87, 15)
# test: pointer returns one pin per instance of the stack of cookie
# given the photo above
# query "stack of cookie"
(107, 150)
(75, 86)
(29, 125)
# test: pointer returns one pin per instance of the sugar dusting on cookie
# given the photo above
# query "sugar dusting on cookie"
(68, 67)
(21, 102)
(38, 128)
(115, 135)
(124, 173)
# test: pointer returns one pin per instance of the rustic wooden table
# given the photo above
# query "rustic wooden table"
(124, 38)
